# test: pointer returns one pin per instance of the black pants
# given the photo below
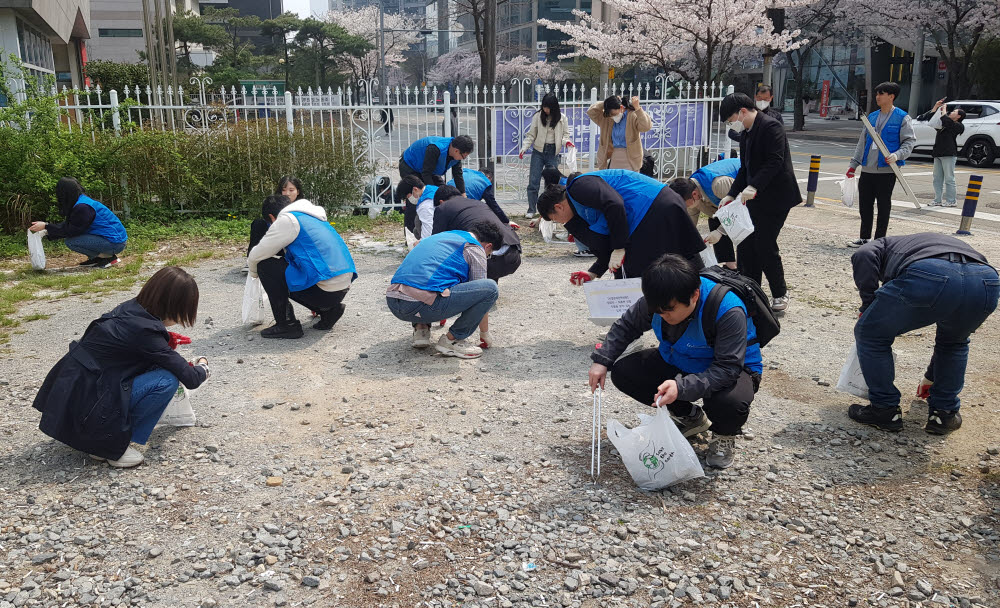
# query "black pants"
(640, 374)
(661, 231)
(499, 266)
(872, 187)
(724, 251)
(258, 228)
(758, 254)
(272, 277)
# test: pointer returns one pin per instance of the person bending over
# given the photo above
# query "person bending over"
(90, 228)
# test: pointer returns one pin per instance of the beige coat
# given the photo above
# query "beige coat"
(720, 188)
(637, 122)
(537, 134)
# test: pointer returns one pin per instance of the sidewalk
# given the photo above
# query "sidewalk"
(840, 129)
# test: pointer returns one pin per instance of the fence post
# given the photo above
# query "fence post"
(116, 120)
(289, 117)
(593, 133)
(447, 113)
(971, 200)
(813, 181)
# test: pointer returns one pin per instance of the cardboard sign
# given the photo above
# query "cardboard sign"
(608, 300)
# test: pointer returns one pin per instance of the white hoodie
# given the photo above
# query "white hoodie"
(282, 232)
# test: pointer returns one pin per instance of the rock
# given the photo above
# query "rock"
(155, 552)
(347, 470)
(608, 579)
(273, 585)
(274, 482)
(897, 579)
(310, 581)
(43, 558)
(924, 587)
(483, 589)
(571, 583)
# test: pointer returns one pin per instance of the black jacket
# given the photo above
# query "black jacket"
(884, 259)
(85, 398)
(461, 213)
(767, 166)
(77, 223)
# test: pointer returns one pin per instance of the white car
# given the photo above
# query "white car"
(979, 144)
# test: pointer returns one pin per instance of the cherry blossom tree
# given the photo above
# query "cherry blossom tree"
(463, 67)
(401, 34)
(697, 39)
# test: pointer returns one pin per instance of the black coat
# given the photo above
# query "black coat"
(463, 213)
(766, 164)
(85, 398)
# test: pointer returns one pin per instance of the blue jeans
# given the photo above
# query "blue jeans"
(539, 160)
(580, 246)
(957, 297)
(92, 246)
(471, 300)
(944, 178)
(151, 393)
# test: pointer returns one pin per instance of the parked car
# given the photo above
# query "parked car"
(980, 143)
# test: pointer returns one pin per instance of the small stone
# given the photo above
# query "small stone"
(43, 558)
(347, 470)
(155, 552)
(897, 579)
(482, 589)
(608, 579)
(274, 482)
(924, 587)
(310, 581)
(273, 585)
(271, 560)
(571, 583)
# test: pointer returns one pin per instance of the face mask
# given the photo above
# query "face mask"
(737, 125)
(413, 200)
(618, 118)
(762, 105)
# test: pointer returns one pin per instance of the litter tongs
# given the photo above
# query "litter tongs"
(595, 435)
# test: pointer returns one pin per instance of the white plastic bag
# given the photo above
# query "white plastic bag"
(852, 381)
(708, 256)
(570, 160)
(735, 220)
(849, 191)
(655, 452)
(179, 411)
(35, 249)
(255, 302)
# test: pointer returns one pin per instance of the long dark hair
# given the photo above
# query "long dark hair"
(285, 180)
(68, 190)
(551, 102)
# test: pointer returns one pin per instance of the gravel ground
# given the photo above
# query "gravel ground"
(347, 469)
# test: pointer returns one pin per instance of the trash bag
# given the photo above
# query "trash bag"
(655, 452)
(708, 256)
(255, 302)
(852, 381)
(179, 411)
(735, 221)
(570, 160)
(849, 191)
(35, 249)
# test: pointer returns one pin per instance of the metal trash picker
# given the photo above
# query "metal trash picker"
(885, 152)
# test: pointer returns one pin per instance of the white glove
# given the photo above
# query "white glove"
(615, 262)
(891, 159)
(485, 339)
(252, 274)
(713, 237)
(725, 201)
(748, 193)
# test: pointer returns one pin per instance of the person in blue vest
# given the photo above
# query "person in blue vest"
(702, 193)
(429, 158)
(479, 187)
(877, 178)
(421, 198)
(551, 177)
(724, 372)
(316, 269)
(627, 220)
(90, 228)
(445, 276)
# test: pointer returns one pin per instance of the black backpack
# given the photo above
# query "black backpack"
(752, 295)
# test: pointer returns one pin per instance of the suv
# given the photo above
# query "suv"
(980, 143)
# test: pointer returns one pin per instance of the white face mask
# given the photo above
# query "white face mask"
(737, 125)
(413, 199)
(762, 105)
(618, 118)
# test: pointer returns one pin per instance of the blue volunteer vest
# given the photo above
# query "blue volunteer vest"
(637, 190)
(476, 184)
(414, 155)
(318, 253)
(707, 174)
(691, 353)
(427, 194)
(437, 262)
(889, 135)
(105, 223)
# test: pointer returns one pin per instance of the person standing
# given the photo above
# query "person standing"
(945, 152)
(546, 136)
(702, 193)
(621, 128)
(762, 100)
(877, 178)
(766, 181)
(925, 279)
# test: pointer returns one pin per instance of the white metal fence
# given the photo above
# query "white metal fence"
(686, 129)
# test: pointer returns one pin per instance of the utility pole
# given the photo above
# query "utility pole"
(148, 29)
(777, 17)
(171, 45)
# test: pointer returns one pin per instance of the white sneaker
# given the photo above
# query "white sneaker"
(458, 348)
(779, 304)
(529, 215)
(131, 458)
(421, 337)
(721, 451)
(934, 204)
(857, 243)
(951, 204)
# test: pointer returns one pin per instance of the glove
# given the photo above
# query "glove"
(891, 159)
(177, 339)
(617, 258)
(850, 172)
(726, 201)
(581, 277)
(485, 339)
(924, 389)
(569, 144)
(203, 365)
(514, 226)
(521, 155)
(571, 238)
(748, 193)
(713, 237)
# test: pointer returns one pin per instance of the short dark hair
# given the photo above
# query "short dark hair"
(290, 179)
(488, 173)
(445, 193)
(612, 103)
(668, 280)
(406, 186)
(273, 205)
(764, 89)
(488, 232)
(733, 103)
(547, 200)
(684, 187)
(961, 114)
(463, 143)
(551, 176)
(889, 88)
(171, 294)
(573, 176)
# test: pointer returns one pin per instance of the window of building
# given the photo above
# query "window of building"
(36, 50)
(119, 33)
(556, 10)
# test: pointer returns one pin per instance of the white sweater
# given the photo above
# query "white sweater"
(536, 134)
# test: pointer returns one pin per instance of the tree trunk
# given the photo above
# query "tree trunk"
(487, 77)
(799, 119)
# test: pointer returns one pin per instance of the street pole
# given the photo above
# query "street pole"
(767, 68)
(916, 77)
(147, 19)
(171, 45)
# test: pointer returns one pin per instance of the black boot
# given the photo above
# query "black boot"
(940, 422)
(290, 330)
(885, 418)
(329, 318)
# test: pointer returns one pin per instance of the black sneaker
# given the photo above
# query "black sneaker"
(887, 419)
(107, 262)
(583, 254)
(90, 262)
(329, 318)
(940, 422)
(289, 331)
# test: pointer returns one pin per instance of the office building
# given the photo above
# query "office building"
(48, 36)
(119, 32)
